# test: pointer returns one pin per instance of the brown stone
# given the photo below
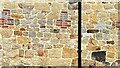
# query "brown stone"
(93, 47)
(21, 53)
(22, 39)
(69, 53)
(40, 53)
(92, 31)
(110, 42)
(22, 29)
(18, 33)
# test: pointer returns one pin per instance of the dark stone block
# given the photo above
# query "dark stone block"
(99, 56)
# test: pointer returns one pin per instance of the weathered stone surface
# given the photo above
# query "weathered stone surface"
(29, 53)
(6, 33)
(60, 62)
(32, 34)
(69, 53)
(21, 53)
(45, 6)
(99, 56)
(17, 16)
(22, 39)
(93, 47)
(40, 53)
(19, 33)
(55, 53)
(75, 62)
(12, 53)
(85, 62)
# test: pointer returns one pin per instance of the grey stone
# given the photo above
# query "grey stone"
(17, 22)
(99, 36)
(47, 35)
(32, 34)
(39, 34)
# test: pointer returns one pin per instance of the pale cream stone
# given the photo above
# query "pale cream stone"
(12, 53)
(85, 6)
(9, 5)
(59, 6)
(42, 6)
(55, 53)
(60, 62)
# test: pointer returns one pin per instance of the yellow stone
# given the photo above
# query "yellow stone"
(22, 39)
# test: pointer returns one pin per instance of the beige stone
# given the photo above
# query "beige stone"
(6, 33)
(40, 61)
(112, 48)
(69, 53)
(60, 62)
(108, 6)
(55, 53)
(9, 5)
(84, 17)
(21, 53)
(93, 18)
(93, 47)
(22, 39)
(29, 53)
(110, 55)
(40, 16)
(59, 6)
(85, 62)
(97, 7)
(52, 15)
(85, 6)
(42, 6)
(114, 17)
(12, 53)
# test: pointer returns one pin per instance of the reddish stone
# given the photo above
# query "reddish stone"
(40, 53)
(0, 46)
(4, 26)
(118, 24)
(73, 36)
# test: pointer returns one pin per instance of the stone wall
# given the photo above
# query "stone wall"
(100, 33)
(38, 33)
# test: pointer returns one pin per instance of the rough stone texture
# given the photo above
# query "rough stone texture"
(69, 53)
(55, 53)
(39, 33)
(23, 40)
(100, 33)
(59, 62)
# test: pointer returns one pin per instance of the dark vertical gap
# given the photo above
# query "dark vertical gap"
(79, 34)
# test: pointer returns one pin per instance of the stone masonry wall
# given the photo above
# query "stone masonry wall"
(38, 33)
(100, 33)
